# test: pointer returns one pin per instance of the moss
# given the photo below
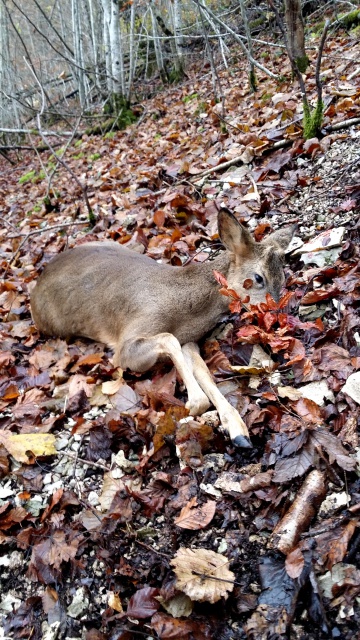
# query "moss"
(312, 120)
(95, 156)
(27, 177)
(192, 96)
(39, 177)
(302, 63)
(176, 75)
(79, 155)
(318, 28)
(202, 108)
(266, 97)
(78, 143)
(122, 116)
(91, 218)
(351, 19)
(119, 106)
(258, 22)
(252, 80)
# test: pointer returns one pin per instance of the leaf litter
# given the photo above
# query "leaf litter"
(140, 519)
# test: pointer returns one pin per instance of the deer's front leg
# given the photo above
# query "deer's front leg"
(140, 354)
(229, 417)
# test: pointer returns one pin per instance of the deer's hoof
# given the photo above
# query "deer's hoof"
(242, 442)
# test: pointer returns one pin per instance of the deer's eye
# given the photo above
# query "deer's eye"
(259, 279)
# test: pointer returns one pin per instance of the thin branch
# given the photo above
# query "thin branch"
(90, 463)
(44, 229)
(238, 40)
(318, 61)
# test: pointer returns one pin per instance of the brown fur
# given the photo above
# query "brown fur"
(146, 310)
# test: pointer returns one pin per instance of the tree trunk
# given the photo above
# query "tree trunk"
(113, 52)
(295, 33)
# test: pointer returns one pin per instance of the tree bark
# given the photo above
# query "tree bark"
(295, 33)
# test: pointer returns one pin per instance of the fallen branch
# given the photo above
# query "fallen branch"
(55, 226)
(288, 531)
(237, 160)
(36, 131)
(342, 125)
(17, 147)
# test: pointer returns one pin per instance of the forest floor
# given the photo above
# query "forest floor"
(104, 484)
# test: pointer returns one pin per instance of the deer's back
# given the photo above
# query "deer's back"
(103, 290)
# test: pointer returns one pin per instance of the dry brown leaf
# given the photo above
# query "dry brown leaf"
(230, 482)
(111, 486)
(42, 358)
(289, 392)
(89, 361)
(114, 602)
(79, 383)
(38, 444)
(294, 563)
(193, 517)
(112, 386)
(180, 606)
(203, 575)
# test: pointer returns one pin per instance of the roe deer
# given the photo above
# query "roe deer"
(145, 310)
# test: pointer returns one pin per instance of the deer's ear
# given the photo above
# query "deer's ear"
(233, 235)
(282, 237)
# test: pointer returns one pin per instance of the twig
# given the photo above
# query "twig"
(90, 463)
(238, 40)
(55, 226)
(318, 61)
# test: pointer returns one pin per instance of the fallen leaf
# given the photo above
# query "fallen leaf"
(179, 606)
(294, 563)
(143, 603)
(193, 517)
(114, 602)
(203, 575)
(20, 445)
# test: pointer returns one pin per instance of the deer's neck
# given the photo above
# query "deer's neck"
(206, 284)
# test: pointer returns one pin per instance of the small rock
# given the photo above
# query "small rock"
(79, 604)
(352, 386)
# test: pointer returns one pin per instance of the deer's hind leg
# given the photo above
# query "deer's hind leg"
(229, 417)
(140, 354)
